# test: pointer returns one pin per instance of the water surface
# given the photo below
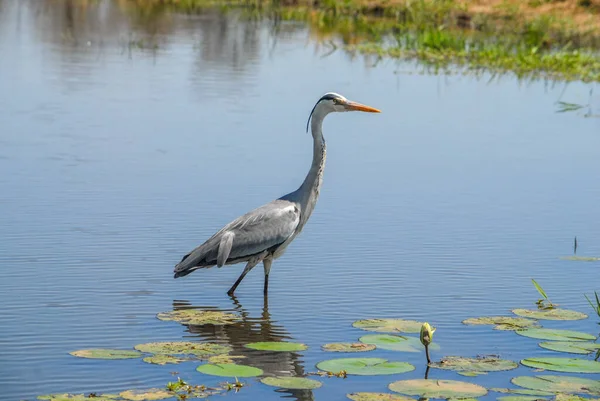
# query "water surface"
(128, 139)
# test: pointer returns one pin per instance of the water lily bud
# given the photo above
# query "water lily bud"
(426, 334)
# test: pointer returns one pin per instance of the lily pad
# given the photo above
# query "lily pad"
(396, 343)
(475, 365)
(389, 325)
(520, 398)
(225, 358)
(77, 397)
(550, 314)
(378, 397)
(521, 391)
(581, 258)
(502, 322)
(559, 384)
(281, 346)
(348, 347)
(146, 395)
(199, 317)
(471, 374)
(98, 353)
(572, 347)
(365, 366)
(229, 370)
(164, 359)
(573, 365)
(556, 335)
(430, 388)
(183, 348)
(293, 383)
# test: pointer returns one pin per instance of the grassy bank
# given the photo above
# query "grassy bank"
(548, 38)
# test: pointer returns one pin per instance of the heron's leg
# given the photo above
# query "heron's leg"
(249, 266)
(267, 264)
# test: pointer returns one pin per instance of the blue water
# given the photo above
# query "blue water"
(127, 141)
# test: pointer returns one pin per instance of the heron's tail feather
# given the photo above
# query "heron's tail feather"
(192, 261)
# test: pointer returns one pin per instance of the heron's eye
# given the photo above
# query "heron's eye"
(336, 101)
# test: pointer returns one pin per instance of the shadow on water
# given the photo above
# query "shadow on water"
(252, 329)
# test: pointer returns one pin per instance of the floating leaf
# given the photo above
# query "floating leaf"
(229, 370)
(389, 325)
(559, 384)
(396, 343)
(581, 258)
(521, 391)
(572, 347)
(503, 322)
(430, 388)
(475, 365)
(551, 314)
(378, 397)
(365, 366)
(276, 346)
(573, 365)
(520, 398)
(98, 353)
(198, 317)
(146, 395)
(164, 359)
(348, 347)
(471, 374)
(294, 383)
(183, 348)
(570, 397)
(217, 359)
(556, 335)
(77, 397)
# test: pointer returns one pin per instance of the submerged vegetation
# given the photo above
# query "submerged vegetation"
(545, 38)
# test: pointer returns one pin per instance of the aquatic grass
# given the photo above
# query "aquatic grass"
(595, 307)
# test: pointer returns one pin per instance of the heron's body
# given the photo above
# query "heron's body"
(264, 233)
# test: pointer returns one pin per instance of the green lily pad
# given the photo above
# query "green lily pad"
(281, 346)
(581, 258)
(365, 366)
(573, 365)
(502, 322)
(430, 388)
(474, 365)
(521, 391)
(348, 347)
(389, 325)
(77, 397)
(378, 397)
(570, 397)
(556, 335)
(396, 343)
(520, 398)
(572, 347)
(146, 395)
(558, 384)
(199, 317)
(164, 359)
(229, 370)
(98, 353)
(550, 314)
(183, 348)
(293, 383)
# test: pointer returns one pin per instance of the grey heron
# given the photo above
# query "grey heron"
(264, 233)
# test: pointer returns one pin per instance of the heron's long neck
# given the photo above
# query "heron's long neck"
(308, 193)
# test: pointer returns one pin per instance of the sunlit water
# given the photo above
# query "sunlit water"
(117, 157)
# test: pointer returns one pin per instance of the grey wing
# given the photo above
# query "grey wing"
(256, 231)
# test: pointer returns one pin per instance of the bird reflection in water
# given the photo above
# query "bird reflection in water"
(249, 330)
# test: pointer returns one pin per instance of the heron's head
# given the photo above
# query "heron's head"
(334, 102)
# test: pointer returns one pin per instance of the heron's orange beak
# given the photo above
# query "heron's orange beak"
(361, 107)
